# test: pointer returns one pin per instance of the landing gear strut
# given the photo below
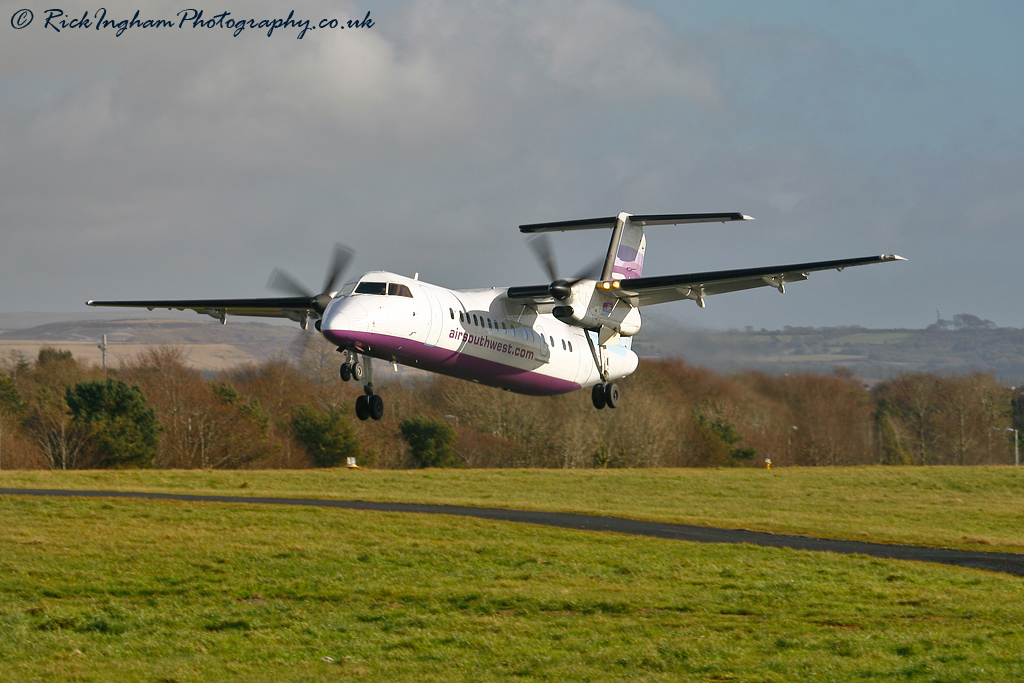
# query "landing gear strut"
(369, 405)
(605, 395)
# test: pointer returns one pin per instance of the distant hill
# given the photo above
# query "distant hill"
(208, 345)
(159, 332)
(872, 354)
(963, 345)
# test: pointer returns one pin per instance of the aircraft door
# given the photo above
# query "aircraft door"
(545, 353)
(436, 317)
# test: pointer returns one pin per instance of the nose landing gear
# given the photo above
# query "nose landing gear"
(369, 405)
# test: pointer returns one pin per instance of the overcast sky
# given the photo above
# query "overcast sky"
(190, 162)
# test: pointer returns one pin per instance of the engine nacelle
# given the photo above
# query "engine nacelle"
(576, 307)
(608, 312)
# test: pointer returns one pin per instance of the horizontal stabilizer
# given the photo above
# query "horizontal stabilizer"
(646, 219)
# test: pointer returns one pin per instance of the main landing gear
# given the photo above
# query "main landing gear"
(369, 405)
(605, 395)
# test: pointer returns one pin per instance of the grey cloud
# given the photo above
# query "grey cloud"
(191, 163)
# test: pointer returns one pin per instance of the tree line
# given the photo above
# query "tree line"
(293, 412)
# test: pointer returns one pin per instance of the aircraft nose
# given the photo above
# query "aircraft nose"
(345, 316)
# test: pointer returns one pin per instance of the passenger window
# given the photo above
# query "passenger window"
(475, 321)
(570, 347)
(461, 319)
(452, 312)
(371, 288)
(489, 323)
(563, 345)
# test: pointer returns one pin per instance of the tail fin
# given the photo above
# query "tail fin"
(625, 259)
(626, 249)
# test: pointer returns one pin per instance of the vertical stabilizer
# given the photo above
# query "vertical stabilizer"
(625, 259)
(626, 250)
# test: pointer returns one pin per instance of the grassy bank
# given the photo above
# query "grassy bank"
(976, 508)
(118, 590)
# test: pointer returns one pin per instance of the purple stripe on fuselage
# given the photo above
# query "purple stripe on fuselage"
(452, 363)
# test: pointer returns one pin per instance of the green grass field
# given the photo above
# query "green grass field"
(974, 508)
(128, 590)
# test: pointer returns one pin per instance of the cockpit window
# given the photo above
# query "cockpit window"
(395, 289)
(347, 289)
(371, 288)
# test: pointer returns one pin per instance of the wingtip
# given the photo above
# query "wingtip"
(90, 303)
(745, 217)
(893, 257)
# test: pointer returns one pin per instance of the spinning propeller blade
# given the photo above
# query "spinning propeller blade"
(282, 281)
(591, 272)
(541, 246)
(560, 288)
(339, 264)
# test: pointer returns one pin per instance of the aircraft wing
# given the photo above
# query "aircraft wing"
(643, 291)
(295, 308)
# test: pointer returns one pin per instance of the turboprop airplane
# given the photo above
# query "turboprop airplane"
(538, 339)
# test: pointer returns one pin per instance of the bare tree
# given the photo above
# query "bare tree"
(48, 420)
(969, 409)
(907, 416)
(205, 425)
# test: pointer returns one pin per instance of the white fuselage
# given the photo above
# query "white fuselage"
(479, 335)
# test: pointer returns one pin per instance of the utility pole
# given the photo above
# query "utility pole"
(103, 347)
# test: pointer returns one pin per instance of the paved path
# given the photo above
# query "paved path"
(1010, 563)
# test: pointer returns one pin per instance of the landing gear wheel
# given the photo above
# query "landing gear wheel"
(611, 395)
(363, 407)
(346, 372)
(376, 405)
(597, 395)
(357, 370)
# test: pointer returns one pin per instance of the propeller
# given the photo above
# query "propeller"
(283, 282)
(541, 246)
(560, 288)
